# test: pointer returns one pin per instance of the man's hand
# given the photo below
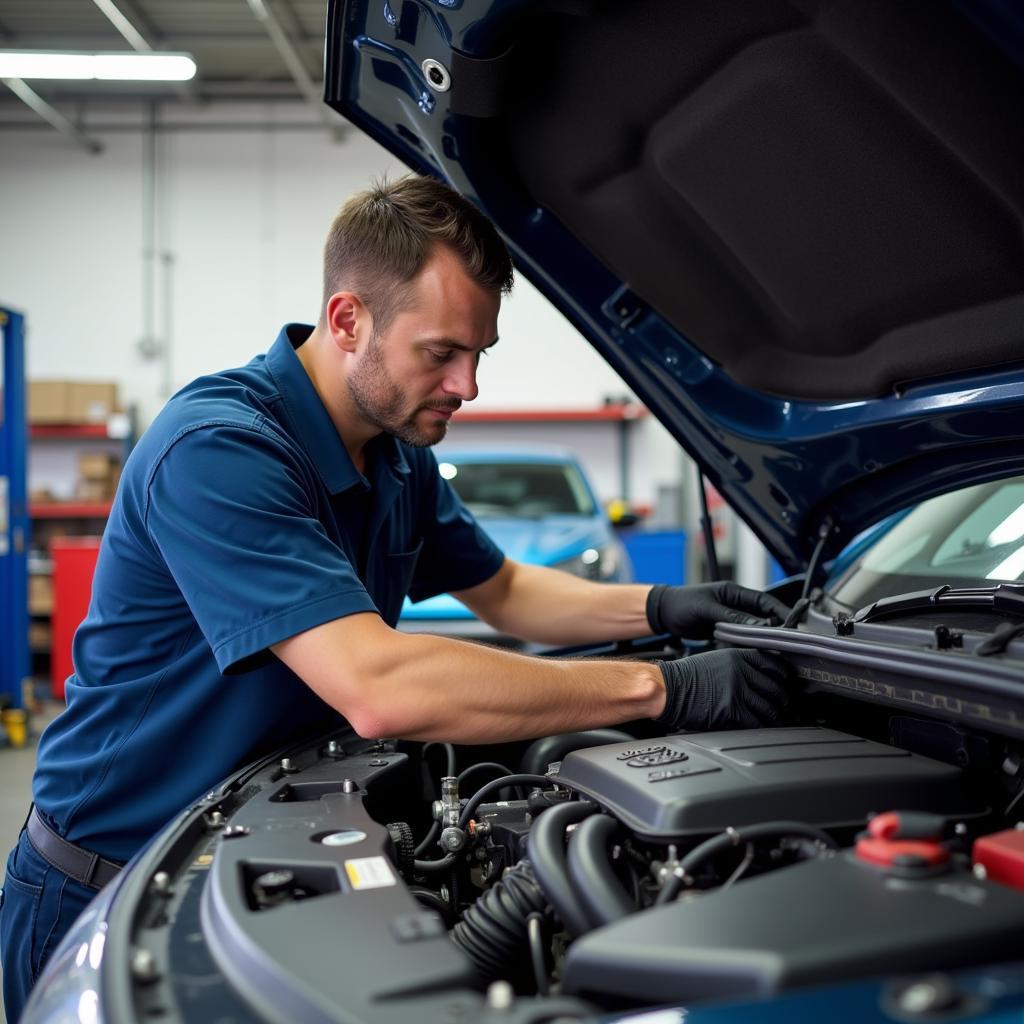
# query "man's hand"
(723, 690)
(693, 611)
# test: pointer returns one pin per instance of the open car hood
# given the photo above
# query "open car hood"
(793, 228)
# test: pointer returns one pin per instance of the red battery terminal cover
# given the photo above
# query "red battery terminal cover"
(903, 839)
(1002, 856)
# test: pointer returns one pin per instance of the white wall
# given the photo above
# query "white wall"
(241, 216)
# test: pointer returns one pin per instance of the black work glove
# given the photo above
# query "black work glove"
(693, 611)
(723, 690)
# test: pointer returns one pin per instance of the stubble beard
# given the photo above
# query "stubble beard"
(381, 402)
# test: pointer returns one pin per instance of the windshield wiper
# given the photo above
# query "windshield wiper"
(1005, 598)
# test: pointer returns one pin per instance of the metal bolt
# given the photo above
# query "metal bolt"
(500, 995)
(334, 749)
(349, 786)
(216, 819)
(234, 832)
(286, 765)
(144, 967)
(1019, 827)
(161, 882)
(453, 839)
(980, 872)
(960, 829)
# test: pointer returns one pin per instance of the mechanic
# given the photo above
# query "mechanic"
(266, 530)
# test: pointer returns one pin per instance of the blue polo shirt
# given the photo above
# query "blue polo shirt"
(240, 521)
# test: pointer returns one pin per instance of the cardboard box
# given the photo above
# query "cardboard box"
(40, 595)
(71, 401)
(92, 401)
(97, 466)
(49, 401)
(95, 490)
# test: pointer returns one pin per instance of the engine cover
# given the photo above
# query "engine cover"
(823, 921)
(701, 783)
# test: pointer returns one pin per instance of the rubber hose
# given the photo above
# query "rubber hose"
(494, 785)
(595, 884)
(734, 837)
(493, 932)
(546, 846)
(431, 867)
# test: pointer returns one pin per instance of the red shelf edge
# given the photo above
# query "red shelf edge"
(69, 510)
(37, 431)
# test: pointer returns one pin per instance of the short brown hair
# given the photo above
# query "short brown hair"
(381, 238)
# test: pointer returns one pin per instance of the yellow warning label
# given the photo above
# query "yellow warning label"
(370, 873)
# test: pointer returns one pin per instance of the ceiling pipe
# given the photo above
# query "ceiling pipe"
(293, 61)
(52, 115)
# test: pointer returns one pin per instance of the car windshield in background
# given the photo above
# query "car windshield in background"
(524, 490)
(970, 537)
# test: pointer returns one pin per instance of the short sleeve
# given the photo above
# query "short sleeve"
(457, 553)
(233, 516)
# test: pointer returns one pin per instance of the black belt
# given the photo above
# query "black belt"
(84, 866)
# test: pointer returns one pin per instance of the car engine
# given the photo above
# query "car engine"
(616, 871)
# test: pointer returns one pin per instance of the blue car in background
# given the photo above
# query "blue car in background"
(539, 507)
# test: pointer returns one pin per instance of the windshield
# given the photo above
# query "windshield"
(529, 490)
(971, 537)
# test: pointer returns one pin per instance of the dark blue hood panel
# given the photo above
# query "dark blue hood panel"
(792, 463)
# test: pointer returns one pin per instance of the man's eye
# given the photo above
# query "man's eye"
(439, 357)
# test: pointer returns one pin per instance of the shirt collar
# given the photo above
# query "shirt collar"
(312, 422)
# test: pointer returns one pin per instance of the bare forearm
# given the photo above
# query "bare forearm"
(434, 688)
(552, 607)
(445, 689)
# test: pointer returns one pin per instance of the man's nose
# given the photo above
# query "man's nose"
(461, 381)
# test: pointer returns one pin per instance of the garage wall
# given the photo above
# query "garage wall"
(240, 220)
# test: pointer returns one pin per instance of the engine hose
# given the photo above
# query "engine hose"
(495, 784)
(735, 837)
(493, 932)
(595, 884)
(546, 846)
(430, 867)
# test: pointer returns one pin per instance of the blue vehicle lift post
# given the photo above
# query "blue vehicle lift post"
(14, 520)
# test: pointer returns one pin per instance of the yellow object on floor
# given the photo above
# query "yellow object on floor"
(15, 723)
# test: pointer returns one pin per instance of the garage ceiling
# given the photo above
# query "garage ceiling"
(245, 49)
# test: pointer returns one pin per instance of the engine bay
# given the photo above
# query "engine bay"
(600, 872)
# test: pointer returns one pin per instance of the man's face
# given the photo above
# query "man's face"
(408, 380)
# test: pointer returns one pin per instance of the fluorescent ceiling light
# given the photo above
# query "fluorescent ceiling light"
(106, 67)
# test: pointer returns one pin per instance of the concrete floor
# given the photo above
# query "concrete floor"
(16, 767)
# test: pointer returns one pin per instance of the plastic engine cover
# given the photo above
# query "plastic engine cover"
(822, 921)
(705, 782)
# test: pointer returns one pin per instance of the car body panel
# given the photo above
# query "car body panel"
(790, 466)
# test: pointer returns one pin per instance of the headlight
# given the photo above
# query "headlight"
(600, 563)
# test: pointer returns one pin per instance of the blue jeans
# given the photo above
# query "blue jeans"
(38, 905)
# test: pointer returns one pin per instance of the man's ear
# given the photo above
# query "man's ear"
(348, 320)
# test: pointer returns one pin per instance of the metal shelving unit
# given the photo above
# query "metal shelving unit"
(14, 517)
